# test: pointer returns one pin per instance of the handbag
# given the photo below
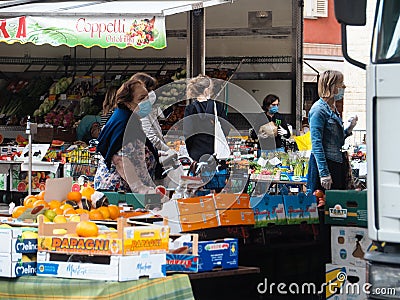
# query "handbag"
(221, 147)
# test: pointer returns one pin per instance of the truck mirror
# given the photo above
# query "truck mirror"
(351, 12)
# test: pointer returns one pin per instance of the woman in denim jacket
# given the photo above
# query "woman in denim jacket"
(326, 166)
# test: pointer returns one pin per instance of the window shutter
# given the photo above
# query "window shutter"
(321, 8)
(308, 9)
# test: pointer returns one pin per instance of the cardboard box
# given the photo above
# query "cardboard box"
(349, 245)
(114, 268)
(13, 241)
(346, 208)
(232, 217)
(301, 208)
(126, 240)
(268, 209)
(187, 262)
(198, 221)
(218, 254)
(231, 201)
(205, 215)
(195, 205)
(147, 237)
(345, 282)
(12, 267)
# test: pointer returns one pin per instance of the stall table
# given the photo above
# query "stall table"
(36, 287)
(241, 270)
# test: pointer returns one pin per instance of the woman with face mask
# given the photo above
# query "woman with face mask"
(149, 118)
(150, 124)
(124, 165)
(328, 166)
(268, 142)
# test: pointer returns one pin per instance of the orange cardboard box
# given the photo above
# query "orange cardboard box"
(198, 221)
(127, 240)
(195, 205)
(225, 201)
(229, 217)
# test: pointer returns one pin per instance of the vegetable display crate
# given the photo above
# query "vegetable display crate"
(134, 199)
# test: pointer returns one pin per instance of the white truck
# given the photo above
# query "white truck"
(383, 142)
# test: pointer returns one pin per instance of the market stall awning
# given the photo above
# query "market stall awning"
(314, 66)
(101, 23)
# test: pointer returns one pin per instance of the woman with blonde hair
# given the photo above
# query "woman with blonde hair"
(198, 123)
(328, 167)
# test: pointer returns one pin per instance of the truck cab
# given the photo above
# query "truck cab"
(383, 143)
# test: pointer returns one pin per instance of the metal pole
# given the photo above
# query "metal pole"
(297, 63)
(196, 36)
(28, 132)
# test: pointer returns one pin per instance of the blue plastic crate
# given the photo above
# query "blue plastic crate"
(215, 180)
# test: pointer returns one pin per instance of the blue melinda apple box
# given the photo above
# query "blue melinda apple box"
(268, 209)
(218, 254)
(301, 208)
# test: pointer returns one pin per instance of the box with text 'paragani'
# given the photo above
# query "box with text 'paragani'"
(115, 268)
(127, 240)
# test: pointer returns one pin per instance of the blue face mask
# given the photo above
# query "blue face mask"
(273, 109)
(145, 108)
(339, 95)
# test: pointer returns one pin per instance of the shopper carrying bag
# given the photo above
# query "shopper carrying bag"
(221, 147)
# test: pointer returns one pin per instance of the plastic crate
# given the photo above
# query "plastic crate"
(215, 180)
(134, 199)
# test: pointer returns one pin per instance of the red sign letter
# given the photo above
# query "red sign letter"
(21, 28)
(3, 29)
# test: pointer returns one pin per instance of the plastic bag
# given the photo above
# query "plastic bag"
(221, 146)
(303, 141)
(268, 130)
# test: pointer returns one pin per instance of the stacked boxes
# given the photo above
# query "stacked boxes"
(268, 209)
(218, 254)
(301, 208)
(202, 256)
(181, 257)
(346, 208)
(207, 212)
(18, 250)
(346, 276)
(125, 254)
(234, 209)
(287, 209)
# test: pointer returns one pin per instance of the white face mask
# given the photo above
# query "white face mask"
(152, 97)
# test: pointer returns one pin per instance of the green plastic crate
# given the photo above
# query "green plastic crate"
(134, 199)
